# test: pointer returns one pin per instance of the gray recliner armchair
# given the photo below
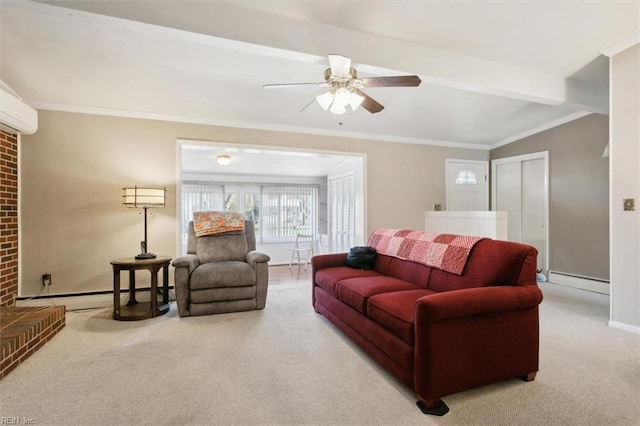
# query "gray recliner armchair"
(221, 273)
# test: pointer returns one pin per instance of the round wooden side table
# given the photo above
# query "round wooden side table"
(135, 310)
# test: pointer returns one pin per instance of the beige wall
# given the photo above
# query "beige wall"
(625, 183)
(578, 193)
(73, 169)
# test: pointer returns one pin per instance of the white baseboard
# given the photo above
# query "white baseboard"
(625, 327)
(86, 301)
(583, 283)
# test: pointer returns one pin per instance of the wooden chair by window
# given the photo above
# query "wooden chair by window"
(303, 245)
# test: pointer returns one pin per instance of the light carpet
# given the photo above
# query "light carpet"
(286, 365)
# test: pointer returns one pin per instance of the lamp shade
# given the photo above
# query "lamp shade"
(325, 100)
(140, 197)
(342, 97)
(337, 108)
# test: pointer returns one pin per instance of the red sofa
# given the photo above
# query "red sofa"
(437, 332)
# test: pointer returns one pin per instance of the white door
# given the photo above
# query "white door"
(467, 185)
(520, 187)
(534, 228)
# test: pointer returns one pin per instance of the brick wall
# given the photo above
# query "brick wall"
(23, 330)
(8, 218)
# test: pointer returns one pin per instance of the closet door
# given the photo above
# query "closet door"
(520, 187)
(533, 229)
(508, 196)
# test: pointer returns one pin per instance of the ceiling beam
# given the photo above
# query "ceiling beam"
(272, 34)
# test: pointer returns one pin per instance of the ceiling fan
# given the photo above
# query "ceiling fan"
(344, 87)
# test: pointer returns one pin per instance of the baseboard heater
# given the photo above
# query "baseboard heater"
(87, 300)
(596, 285)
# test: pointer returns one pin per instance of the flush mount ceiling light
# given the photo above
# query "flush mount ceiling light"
(223, 159)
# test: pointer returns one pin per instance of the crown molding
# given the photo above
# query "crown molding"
(546, 126)
(305, 130)
(254, 126)
(623, 45)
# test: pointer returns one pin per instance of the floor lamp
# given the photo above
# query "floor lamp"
(144, 198)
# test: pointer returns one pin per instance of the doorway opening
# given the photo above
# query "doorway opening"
(285, 191)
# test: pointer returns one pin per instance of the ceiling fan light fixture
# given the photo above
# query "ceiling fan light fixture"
(325, 100)
(337, 108)
(356, 101)
(342, 97)
(345, 87)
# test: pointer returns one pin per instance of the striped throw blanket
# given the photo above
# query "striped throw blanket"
(443, 251)
(210, 223)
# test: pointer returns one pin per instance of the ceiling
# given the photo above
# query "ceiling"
(201, 158)
(492, 71)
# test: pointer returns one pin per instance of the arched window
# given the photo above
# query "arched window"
(466, 177)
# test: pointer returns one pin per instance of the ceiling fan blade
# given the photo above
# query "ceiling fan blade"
(283, 85)
(307, 105)
(340, 65)
(397, 81)
(369, 103)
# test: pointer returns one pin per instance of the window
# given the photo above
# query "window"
(198, 197)
(244, 199)
(466, 177)
(287, 211)
(279, 213)
(342, 219)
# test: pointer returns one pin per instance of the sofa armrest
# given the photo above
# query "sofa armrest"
(189, 261)
(474, 337)
(331, 260)
(254, 257)
(477, 301)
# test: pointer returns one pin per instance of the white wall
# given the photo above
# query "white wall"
(625, 183)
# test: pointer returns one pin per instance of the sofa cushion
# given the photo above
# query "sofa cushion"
(355, 291)
(382, 264)
(396, 311)
(416, 273)
(328, 277)
(492, 262)
(222, 274)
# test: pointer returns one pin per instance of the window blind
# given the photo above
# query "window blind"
(287, 211)
(342, 216)
(198, 197)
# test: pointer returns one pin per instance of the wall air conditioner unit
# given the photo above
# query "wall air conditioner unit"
(16, 115)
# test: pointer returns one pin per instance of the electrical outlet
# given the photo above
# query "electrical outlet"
(46, 279)
(629, 204)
